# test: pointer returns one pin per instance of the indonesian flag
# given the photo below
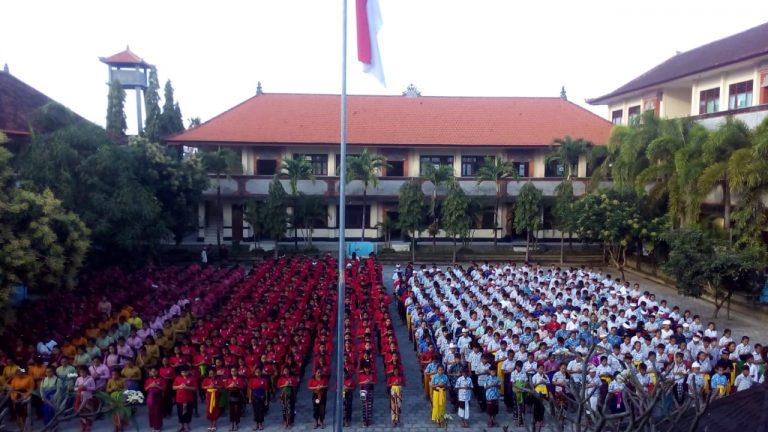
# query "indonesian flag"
(368, 25)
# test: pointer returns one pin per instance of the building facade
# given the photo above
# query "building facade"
(727, 77)
(410, 131)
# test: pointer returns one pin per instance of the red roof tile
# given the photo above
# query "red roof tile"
(399, 120)
(18, 101)
(126, 57)
(732, 49)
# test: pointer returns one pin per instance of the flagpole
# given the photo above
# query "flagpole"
(338, 411)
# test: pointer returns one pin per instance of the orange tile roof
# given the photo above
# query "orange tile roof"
(126, 57)
(400, 120)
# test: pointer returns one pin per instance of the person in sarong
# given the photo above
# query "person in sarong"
(395, 384)
(235, 386)
(286, 388)
(155, 388)
(366, 380)
(439, 386)
(211, 385)
(519, 380)
(464, 393)
(185, 387)
(540, 383)
(349, 393)
(85, 385)
(318, 385)
(258, 386)
(492, 386)
(51, 390)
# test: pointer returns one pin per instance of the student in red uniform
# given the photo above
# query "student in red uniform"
(318, 385)
(155, 387)
(366, 379)
(212, 387)
(167, 373)
(258, 387)
(185, 387)
(235, 385)
(349, 393)
(395, 383)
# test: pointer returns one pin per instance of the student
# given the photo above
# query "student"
(185, 387)
(395, 384)
(540, 383)
(719, 383)
(258, 386)
(85, 386)
(287, 389)
(520, 380)
(155, 386)
(439, 386)
(235, 386)
(349, 392)
(492, 386)
(318, 385)
(464, 389)
(743, 381)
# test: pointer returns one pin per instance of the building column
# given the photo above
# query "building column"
(201, 222)
(457, 164)
(581, 168)
(227, 221)
(332, 163)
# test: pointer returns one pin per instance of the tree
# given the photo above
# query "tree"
(698, 264)
(366, 168)
(275, 217)
(116, 125)
(614, 218)
(563, 212)
(194, 122)
(171, 121)
(42, 245)
(254, 215)
(528, 209)
(411, 209)
(219, 163)
(152, 108)
(308, 211)
(718, 149)
(567, 152)
(748, 168)
(295, 168)
(457, 219)
(496, 170)
(438, 176)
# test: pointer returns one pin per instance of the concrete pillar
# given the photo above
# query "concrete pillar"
(581, 169)
(332, 164)
(457, 164)
(227, 221)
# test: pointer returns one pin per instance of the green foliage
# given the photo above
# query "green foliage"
(42, 245)
(528, 207)
(690, 252)
(116, 125)
(152, 107)
(495, 170)
(567, 152)
(171, 121)
(253, 213)
(456, 220)
(438, 176)
(563, 208)
(411, 208)
(366, 168)
(615, 219)
(296, 168)
(308, 211)
(274, 213)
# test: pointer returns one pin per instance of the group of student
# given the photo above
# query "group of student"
(505, 333)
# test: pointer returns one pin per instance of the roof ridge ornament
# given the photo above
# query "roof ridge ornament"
(259, 91)
(411, 91)
(563, 95)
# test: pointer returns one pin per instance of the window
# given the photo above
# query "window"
(354, 216)
(709, 101)
(486, 218)
(319, 163)
(554, 169)
(470, 165)
(740, 95)
(266, 167)
(395, 169)
(437, 161)
(633, 114)
(548, 218)
(617, 116)
(521, 168)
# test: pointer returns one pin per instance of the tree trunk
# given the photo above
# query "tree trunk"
(220, 209)
(527, 244)
(413, 247)
(362, 229)
(562, 248)
(727, 211)
(275, 250)
(454, 250)
(496, 216)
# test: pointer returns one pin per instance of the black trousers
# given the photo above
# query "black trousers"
(259, 405)
(184, 412)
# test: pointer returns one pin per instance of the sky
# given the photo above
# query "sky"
(215, 52)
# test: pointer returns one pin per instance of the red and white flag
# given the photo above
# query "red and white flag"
(368, 25)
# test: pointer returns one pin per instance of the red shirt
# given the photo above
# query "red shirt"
(184, 395)
(167, 372)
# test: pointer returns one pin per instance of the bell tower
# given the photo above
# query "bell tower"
(132, 73)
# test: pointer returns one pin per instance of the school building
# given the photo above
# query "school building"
(727, 77)
(409, 131)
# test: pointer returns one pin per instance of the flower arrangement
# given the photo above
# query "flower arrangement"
(133, 397)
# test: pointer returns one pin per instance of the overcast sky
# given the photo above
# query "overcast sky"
(215, 51)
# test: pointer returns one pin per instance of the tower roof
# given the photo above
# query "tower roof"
(125, 58)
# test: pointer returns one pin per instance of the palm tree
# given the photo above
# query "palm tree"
(496, 169)
(365, 167)
(748, 168)
(295, 168)
(219, 163)
(567, 152)
(718, 149)
(438, 176)
(625, 156)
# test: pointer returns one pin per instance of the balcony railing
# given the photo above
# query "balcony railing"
(389, 187)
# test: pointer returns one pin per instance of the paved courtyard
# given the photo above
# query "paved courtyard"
(416, 410)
